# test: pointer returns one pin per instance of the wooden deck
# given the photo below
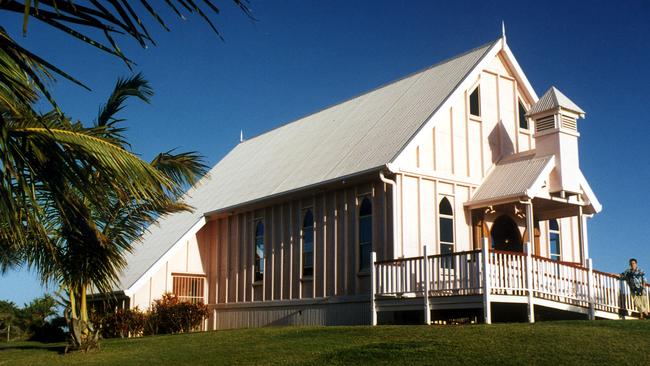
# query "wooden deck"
(467, 280)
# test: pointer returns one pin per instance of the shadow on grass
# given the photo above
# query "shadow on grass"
(58, 348)
(382, 353)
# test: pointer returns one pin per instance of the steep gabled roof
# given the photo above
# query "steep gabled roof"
(552, 100)
(359, 135)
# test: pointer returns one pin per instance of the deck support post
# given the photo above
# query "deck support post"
(425, 288)
(373, 288)
(530, 227)
(590, 289)
(529, 282)
(487, 307)
(582, 237)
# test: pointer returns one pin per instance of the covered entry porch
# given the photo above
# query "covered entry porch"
(508, 263)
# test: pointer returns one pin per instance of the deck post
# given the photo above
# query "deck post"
(425, 289)
(487, 308)
(529, 282)
(373, 288)
(590, 289)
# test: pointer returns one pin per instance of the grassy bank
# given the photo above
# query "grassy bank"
(557, 343)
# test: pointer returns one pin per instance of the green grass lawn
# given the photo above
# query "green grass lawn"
(554, 343)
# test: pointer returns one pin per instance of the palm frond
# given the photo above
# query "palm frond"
(107, 121)
(80, 20)
(184, 169)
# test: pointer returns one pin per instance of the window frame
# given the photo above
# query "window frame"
(520, 105)
(189, 287)
(445, 216)
(304, 212)
(360, 268)
(476, 89)
(555, 256)
(258, 276)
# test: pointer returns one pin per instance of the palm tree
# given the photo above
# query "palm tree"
(87, 240)
(43, 157)
(22, 72)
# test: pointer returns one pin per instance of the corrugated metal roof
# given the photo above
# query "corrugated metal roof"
(551, 100)
(354, 136)
(511, 178)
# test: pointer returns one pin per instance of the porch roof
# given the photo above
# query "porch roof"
(512, 178)
(524, 176)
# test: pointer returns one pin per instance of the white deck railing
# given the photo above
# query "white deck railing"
(506, 273)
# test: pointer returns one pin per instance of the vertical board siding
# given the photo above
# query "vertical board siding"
(230, 242)
(277, 252)
(319, 247)
(340, 242)
(296, 222)
(286, 251)
(351, 242)
(330, 239)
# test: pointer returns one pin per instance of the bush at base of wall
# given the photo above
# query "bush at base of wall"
(167, 315)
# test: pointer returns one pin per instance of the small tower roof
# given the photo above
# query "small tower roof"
(552, 100)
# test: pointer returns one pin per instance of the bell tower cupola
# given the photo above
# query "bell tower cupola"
(555, 118)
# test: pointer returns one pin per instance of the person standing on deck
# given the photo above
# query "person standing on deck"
(635, 278)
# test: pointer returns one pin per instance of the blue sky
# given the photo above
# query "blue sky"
(304, 55)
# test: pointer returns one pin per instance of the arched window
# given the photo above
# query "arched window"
(554, 239)
(365, 234)
(308, 244)
(259, 251)
(446, 232)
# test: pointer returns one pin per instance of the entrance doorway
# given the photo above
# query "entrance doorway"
(505, 235)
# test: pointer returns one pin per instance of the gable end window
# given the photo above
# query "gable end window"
(365, 234)
(523, 121)
(188, 287)
(554, 240)
(475, 102)
(259, 252)
(308, 244)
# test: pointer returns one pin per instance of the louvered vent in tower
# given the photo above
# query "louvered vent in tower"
(569, 123)
(546, 123)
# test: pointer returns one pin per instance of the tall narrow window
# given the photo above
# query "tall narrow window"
(446, 215)
(308, 244)
(523, 122)
(475, 102)
(259, 251)
(365, 234)
(554, 239)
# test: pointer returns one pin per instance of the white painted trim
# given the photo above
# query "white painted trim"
(165, 257)
(536, 187)
(593, 200)
(519, 73)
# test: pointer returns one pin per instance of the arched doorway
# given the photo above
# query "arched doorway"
(505, 235)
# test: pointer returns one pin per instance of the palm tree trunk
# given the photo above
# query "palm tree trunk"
(73, 306)
(84, 308)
